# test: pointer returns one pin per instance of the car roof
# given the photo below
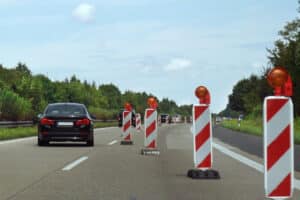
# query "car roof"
(65, 103)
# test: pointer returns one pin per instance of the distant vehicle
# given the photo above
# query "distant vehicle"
(218, 119)
(120, 118)
(164, 118)
(65, 122)
(241, 117)
(176, 118)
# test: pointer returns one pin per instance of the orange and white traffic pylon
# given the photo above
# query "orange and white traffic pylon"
(150, 124)
(126, 128)
(278, 147)
(138, 122)
(202, 137)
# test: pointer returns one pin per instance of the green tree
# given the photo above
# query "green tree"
(112, 94)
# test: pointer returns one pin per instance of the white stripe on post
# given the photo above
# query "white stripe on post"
(138, 122)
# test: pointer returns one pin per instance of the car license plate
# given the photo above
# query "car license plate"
(64, 123)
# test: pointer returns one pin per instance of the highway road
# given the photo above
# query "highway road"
(111, 171)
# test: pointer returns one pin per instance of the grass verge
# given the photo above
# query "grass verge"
(105, 124)
(254, 127)
(11, 133)
(20, 132)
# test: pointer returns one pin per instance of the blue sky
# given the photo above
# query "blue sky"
(164, 47)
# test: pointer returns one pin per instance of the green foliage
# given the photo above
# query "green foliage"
(103, 114)
(229, 113)
(246, 126)
(248, 93)
(168, 106)
(24, 95)
(14, 107)
(11, 133)
(112, 95)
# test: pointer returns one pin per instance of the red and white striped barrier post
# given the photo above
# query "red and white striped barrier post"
(150, 123)
(202, 138)
(279, 137)
(126, 125)
(138, 122)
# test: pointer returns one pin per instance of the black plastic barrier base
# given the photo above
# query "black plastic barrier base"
(126, 142)
(201, 174)
(150, 152)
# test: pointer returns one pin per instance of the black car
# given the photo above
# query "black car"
(120, 118)
(164, 118)
(65, 122)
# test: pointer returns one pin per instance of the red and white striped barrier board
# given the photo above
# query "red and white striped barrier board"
(126, 125)
(138, 122)
(202, 137)
(150, 128)
(278, 147)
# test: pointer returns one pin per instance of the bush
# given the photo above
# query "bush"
(14, 107)
(103, 114)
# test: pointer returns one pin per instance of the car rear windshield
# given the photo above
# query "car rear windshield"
(65, 110)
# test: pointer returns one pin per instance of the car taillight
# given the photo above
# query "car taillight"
(46, 121)
(81, 122)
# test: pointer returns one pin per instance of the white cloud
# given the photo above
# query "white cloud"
(177, 64)
(84, 12)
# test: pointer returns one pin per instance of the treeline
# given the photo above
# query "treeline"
(24, 95)
(248, 94)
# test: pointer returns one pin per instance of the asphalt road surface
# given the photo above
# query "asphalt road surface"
(249, 143)
(111, 171)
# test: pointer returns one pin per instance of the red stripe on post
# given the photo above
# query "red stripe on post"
(126, 126)
(273, 106)
(199, 110)
(128, 137)
(278, 147)
(126, 113)
(150, 128)
(206, 163)
(152, 144)
(203, 136)
(283, 189)
(149, 112)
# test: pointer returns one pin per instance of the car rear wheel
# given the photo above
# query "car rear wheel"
(90, 142)
(42, 142)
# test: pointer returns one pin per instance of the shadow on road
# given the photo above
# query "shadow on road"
(64, 144)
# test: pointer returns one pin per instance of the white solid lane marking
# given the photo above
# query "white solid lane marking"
(247, 161)
(75, 163)
(17, 140)
(105, 128)
(113, 142)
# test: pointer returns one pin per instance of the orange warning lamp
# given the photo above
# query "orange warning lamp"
(277, 77)
(152, 103)
(202, 94)
(280, 80)
(127, 106)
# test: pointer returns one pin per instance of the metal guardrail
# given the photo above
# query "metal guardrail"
(14, 124)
